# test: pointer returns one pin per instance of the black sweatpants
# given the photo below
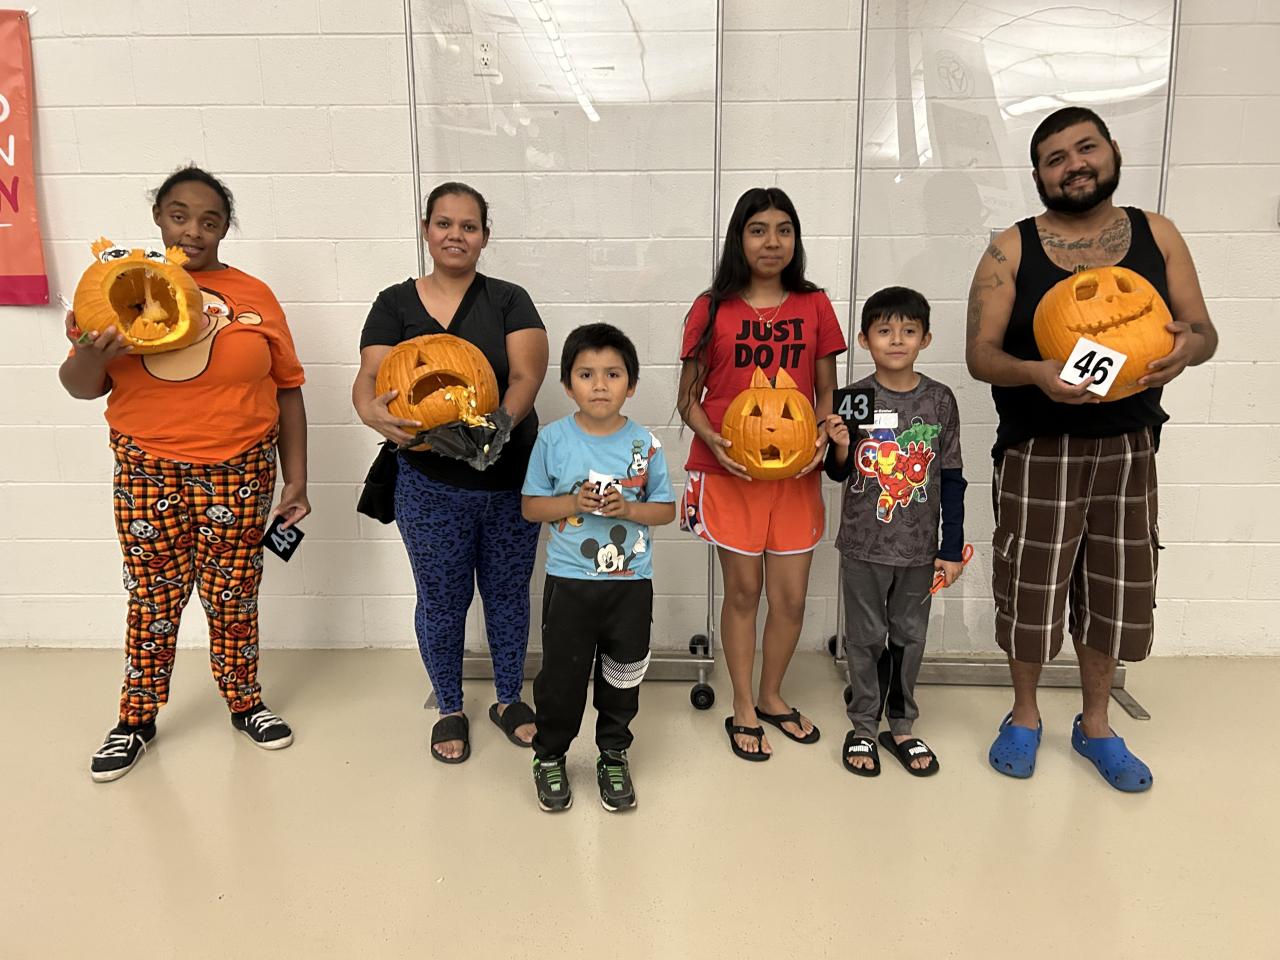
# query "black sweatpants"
(605, 620)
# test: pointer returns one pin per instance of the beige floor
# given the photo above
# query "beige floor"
(353, 843)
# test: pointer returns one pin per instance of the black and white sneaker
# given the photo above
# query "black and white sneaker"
(263, 727)
(613, 774)
(123, 748)
(552, 780)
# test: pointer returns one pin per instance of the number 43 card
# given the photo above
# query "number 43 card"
(282, 543)
(1090, 359)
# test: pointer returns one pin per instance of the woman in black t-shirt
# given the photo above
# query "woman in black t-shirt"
(462, 527)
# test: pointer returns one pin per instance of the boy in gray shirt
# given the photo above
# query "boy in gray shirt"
(904, 473)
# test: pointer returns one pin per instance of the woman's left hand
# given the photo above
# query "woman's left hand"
(293, 505)
(821, 444)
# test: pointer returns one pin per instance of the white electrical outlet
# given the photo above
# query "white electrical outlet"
(484, 52)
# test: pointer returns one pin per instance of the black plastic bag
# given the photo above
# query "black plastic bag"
(478, 446)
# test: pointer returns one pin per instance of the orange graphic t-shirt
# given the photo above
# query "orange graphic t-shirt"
(215, 398)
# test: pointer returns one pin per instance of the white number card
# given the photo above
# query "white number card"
(1090, 359)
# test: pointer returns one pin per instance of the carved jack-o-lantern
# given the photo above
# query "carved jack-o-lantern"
(440, 378)
(145, 294)
(770, 428)
(1112, 306)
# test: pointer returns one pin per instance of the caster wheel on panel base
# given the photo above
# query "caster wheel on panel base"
(702, 696)
(848, 695)
(833, 644)
(699, 646)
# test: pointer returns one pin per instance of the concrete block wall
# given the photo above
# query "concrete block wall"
(303, 108)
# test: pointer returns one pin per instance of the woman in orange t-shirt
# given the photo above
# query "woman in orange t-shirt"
(195, 434)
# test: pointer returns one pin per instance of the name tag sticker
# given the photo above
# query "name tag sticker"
(282, 543)
(855, 407)
(1090, 359)
(885, 420)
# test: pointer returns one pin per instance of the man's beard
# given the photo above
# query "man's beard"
(1063, 203)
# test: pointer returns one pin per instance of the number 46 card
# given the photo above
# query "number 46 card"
(284, 542)
(1090, 359)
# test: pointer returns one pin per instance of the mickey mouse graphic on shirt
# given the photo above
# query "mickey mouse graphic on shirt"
(612, 558)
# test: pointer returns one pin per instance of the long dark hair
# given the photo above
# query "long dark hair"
(733, 275)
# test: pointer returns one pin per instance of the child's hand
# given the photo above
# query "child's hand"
(838, 430)
(587, 499)
(614, 504)
(950, 570)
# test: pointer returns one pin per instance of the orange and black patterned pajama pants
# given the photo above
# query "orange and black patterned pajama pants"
(182, 525)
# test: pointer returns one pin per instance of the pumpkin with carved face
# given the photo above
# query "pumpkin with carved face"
(145, 294)
(1112, 306)
(440, 379)
(770, 428)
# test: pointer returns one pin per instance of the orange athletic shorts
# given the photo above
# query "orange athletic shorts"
(760, 516)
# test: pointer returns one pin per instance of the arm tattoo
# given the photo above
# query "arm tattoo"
(996, 254)
(974, 320)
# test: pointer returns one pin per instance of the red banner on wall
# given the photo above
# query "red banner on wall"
(22, 276)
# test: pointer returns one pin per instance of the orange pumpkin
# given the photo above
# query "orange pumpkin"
(771, 428)
(1112, 306)
(440, 378)
(145, 294)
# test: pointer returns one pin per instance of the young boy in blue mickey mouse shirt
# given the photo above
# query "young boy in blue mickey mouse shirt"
(600, 480)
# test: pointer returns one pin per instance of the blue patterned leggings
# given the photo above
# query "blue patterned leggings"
(458, 539)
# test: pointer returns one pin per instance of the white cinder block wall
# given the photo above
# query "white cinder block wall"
(302, 108)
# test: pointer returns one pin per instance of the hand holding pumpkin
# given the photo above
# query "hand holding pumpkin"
(376, 414)
(820, 442)
(1185, 347)
(720, 449)
(96, 348)
(1046, 374)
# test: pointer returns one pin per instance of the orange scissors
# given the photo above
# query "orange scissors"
(939, 581)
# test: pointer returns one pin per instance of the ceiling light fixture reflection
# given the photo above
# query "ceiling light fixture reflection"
(1089, 98)
(543, 12)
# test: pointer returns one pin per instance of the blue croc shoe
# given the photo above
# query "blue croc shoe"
(1014, 752)
(1118, 766)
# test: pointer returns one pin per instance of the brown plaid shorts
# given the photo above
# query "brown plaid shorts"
(1076, 528)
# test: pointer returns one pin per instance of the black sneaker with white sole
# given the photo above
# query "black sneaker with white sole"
(263, 727)
(552, 780)
(613, 775)
(123, 748)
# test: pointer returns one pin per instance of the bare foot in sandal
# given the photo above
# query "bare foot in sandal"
(775, 705)
(746, 717)
(449, 749)
(525, 731)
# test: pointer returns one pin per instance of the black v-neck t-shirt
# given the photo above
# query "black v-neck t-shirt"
(489, 310)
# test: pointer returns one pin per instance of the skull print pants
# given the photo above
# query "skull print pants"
(184, 525)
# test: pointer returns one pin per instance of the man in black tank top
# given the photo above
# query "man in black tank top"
(1075, 482)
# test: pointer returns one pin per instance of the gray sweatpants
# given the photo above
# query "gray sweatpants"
(886, 618)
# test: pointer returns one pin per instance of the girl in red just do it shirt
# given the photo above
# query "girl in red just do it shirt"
(760, 312)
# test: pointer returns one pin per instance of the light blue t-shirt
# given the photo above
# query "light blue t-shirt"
(587, 546)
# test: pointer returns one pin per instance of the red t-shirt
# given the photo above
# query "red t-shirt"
(804, 331)
(215, 398)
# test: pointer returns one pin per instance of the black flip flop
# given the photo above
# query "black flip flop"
(856, 746)
(757, 732)
(778, 719)
(908, 750)
(452, 728)
(516, 715)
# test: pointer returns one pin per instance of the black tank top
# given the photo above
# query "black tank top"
(1026, 412)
